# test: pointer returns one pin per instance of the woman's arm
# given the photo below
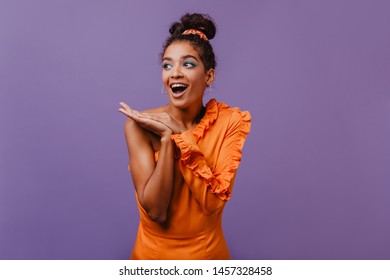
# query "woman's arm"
(153, 182)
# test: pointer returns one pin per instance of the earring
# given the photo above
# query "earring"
(163, 90)
(209, 89)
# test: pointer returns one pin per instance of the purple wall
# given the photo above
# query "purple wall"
(314, 180)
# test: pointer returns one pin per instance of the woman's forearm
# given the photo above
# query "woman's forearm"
(157, 192)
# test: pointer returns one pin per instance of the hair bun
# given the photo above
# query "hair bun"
(197, 21)
(202, 23)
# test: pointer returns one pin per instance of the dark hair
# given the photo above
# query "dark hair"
(201, 22)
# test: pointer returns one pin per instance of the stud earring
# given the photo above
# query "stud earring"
(163, 90)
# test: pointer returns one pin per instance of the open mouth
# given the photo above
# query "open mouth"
(178, 89)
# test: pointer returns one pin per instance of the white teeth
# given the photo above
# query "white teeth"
(178, 85)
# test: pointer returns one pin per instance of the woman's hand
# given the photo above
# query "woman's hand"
(145, 121)
(164, 118)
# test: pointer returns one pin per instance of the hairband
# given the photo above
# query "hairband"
(196, 32)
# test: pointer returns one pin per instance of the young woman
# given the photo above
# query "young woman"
(183, 156)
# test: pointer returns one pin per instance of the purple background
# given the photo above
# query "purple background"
(314, 180)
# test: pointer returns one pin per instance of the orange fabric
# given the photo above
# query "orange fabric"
(203, 182)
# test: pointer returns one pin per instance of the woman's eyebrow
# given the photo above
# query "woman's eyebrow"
(189, 56)
(182, 58)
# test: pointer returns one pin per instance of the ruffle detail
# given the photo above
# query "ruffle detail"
(210, 116)
(221, 188)
(190, 152)
(236, 153)
(193, 157)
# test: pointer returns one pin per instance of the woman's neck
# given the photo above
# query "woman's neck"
(190, 116)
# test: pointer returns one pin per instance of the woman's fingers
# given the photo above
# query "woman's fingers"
(156, 122)
(134, 113)
(161, 117)
(165, 119)
(154, 126)
(149, 121)
(126, 107)
(128, 111)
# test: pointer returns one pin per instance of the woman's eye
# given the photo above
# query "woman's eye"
(189, 64)
(167, 66)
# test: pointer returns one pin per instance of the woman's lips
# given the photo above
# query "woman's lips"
(179, 94)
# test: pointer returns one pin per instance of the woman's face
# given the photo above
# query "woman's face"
(184, 75)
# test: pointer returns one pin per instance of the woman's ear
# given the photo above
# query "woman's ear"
(210, 75)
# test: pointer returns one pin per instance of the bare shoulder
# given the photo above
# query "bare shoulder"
(132, 126)
(134, 132)
(139, 136)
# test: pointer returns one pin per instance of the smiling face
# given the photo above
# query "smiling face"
(184, 75)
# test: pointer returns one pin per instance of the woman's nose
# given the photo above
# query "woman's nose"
(176, 72)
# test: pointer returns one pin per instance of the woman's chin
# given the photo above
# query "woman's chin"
(184, 99)
(180, 103)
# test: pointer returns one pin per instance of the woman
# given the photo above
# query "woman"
(183, 156)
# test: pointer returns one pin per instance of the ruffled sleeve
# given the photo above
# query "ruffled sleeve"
(212, 186)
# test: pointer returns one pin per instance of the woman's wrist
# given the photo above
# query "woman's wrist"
(166, 138)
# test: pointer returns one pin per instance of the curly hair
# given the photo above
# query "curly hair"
(201, 22)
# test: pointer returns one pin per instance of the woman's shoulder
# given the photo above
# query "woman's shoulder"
(222, 117)
(234, 120)
(231, 113)
(134, 132)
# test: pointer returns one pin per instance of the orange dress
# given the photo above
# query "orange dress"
(203, 181)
